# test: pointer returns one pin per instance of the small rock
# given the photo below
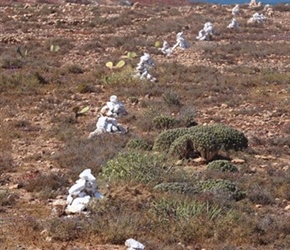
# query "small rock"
(237, 160)
(258, 206)
(287, 208)
(199, 160)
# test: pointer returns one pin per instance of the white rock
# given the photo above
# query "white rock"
(78, 204)
(180, 42)
(78, 187)
(134, 245)
(143, 67)
(69, 199)
(236, 10)
(87, 175)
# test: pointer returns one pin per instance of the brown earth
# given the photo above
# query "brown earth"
(269, 121)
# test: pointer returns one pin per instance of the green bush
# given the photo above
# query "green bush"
(222, 165)
(211, 185)
(164, 122)
(170, 207)
(178, 187)
(138, 144)
(229, 138)
(206, 140)
(134, 166)
(166, 138)
(224, 186)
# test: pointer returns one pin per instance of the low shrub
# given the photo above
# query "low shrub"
(48, 185)
(7, 198)
(139, 144)
(178, 187)
(64, 229)
(222, 165)
(183, 209)
(171, 98)
(259, 195)
(137, 167)
(164, 122)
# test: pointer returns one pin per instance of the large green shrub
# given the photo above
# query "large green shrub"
(164, 139)
(206, 140)
(229, 138)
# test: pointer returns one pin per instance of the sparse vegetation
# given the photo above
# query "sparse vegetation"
(225, 100)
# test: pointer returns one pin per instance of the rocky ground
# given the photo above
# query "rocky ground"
(261, 120)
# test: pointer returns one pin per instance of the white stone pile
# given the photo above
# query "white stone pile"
(180, 42)
(107, 124)
(134, 245)
(236, 10)
(144, 66)
(206, 33)
(254, 4)
(166, 50)
(114, 108)
(81, 193)
(234, 24)
(257, 18)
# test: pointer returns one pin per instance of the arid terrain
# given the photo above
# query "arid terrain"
(53, 59)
